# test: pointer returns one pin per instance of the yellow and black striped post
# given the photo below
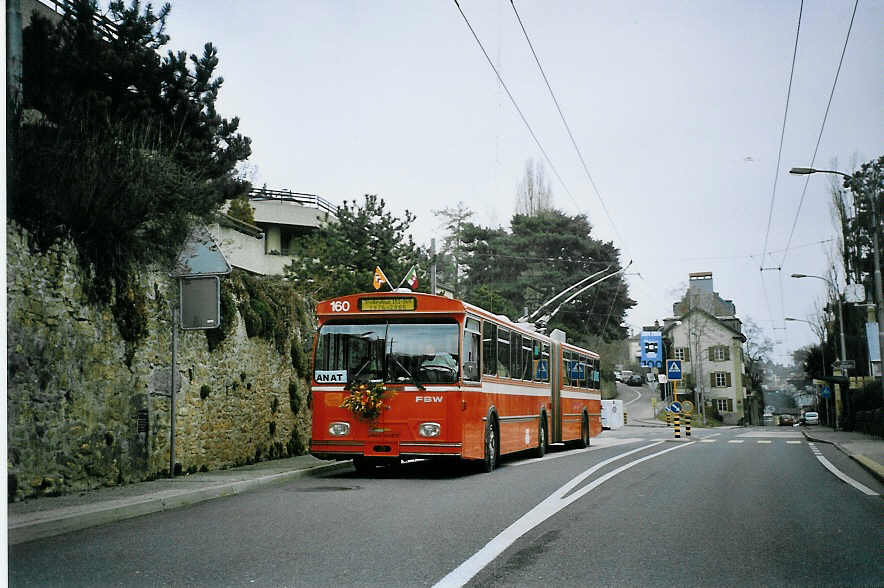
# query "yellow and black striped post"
(677, 427)
(624, 417)
(687, 425)
(668, 418)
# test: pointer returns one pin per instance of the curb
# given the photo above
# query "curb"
(870, 465)
(43, 524)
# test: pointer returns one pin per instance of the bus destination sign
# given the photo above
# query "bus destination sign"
(393, 304)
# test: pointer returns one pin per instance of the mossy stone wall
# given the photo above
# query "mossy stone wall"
(86, 408)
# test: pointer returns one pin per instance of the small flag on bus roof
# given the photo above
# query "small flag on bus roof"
(411, 278)
(379, 278)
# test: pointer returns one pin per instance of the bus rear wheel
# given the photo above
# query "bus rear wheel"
(541, 438)
(492, 452)
(584, 433)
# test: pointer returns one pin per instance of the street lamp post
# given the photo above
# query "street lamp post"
(840, 313)
(840, 326)
(823, 354)
(879, 294)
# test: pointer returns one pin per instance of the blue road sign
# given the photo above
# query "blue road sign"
(826, 392)
(675, 407)
(673, 370)
(651, 347)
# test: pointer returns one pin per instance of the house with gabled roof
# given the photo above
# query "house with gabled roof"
(706, 335)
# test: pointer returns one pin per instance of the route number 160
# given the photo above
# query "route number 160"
(340, 306)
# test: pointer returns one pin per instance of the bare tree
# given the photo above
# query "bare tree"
(533, 193)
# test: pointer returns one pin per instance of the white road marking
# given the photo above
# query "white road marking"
(793, 442)
(735, 441)
(596, 444)
(771, 435)
(828, 465)
(708, 440)
(765, 441)
(638, 396)
(550, 506)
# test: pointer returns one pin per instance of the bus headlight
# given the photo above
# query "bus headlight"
(339, 429)
(430, 429)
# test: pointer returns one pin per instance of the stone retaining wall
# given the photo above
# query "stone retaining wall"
(79, 416)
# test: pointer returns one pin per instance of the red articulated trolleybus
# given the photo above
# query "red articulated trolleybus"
(402, 375)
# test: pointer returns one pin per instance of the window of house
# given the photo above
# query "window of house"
(724, 404)
(720, 379)
(719, 353)
(682, 353)
(489, 348)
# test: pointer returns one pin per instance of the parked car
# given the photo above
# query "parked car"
(634, 380)
(811, 418)
(616, 376)
(786, 420)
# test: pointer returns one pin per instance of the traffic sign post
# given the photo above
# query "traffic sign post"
(673, 370)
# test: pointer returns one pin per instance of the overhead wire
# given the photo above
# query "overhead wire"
(773, 195)
(516, 105)
(822, 128)
(568, 127)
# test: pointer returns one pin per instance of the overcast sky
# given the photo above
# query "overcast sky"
(677, 108)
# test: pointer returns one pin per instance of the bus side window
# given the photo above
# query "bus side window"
(527, 363)
(566, 368)
(489, 348)
(541, 373)
(503, 353)
(471, 348)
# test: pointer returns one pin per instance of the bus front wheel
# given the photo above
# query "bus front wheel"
(492, 452)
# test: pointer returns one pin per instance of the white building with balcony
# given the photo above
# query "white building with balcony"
(268, 246)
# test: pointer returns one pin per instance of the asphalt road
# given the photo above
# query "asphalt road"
(738, 506)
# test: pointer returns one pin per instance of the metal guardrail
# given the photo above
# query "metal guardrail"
(301, 198)
(107, 27)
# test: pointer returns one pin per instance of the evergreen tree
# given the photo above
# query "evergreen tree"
(341, 257)
(539, 257)
(114, 147)
(447, 265)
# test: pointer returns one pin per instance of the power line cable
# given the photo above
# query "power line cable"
(782, 134)
(822, 128)
(516, 105)
(567, 126)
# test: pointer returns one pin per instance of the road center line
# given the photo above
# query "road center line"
(546, 509)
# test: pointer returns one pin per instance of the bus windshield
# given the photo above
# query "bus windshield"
(395, 351)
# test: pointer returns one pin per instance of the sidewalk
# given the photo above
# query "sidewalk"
(46, 517)
(866, 450)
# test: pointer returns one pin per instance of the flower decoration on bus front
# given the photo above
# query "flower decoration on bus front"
(366, 401)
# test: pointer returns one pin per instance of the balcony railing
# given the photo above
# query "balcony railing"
(106, 26)
(311, 200)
